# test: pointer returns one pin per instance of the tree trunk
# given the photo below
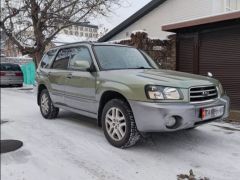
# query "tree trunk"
(37, 56)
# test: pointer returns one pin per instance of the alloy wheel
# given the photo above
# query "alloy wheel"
(45, 104)
(115, 124)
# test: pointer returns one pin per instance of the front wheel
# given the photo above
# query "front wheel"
(119, 125)
(46, 106)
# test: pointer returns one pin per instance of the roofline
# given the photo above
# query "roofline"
(132, 19)
(174, 27)
(70, 44)
(86, 25)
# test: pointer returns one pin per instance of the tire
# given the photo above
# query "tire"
(47, 108)
(120, 131)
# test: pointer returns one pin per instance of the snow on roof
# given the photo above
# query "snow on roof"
(139, 31)
(62, 39)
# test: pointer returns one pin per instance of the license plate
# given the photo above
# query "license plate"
(212, 112)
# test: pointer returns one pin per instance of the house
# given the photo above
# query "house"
(80, 29)
(160, 12)
(211, 44)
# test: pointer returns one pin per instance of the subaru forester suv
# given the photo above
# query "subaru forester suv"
(125, 91)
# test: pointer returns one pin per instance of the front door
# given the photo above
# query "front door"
(80, 84)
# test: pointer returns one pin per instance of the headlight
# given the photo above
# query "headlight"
(160, 92)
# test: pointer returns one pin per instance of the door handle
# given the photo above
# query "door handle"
(69, 76)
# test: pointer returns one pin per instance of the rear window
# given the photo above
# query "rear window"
(10, 67)
(47, 58)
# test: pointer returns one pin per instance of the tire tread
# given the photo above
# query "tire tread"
(53, 112)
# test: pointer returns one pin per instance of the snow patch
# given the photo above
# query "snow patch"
(139, 31)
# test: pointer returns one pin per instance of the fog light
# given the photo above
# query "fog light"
(171, 122)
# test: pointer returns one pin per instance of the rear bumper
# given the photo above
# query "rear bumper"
(152, 117)
(11, 82)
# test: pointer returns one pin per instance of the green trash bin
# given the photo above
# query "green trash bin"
(29, 73)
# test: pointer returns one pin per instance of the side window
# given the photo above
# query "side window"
(47, 58)
(80, 59)
(62, 59)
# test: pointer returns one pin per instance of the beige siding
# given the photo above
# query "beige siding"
(172, 11)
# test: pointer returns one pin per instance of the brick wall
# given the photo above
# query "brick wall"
(163, 52)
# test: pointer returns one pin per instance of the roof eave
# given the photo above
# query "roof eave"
(175, 27)
(132, 19)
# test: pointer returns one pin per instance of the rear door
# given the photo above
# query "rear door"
(80, 84)
(58, 74)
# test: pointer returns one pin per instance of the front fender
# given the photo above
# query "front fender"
(120, 88)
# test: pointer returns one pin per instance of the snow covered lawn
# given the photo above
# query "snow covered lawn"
(72, 147)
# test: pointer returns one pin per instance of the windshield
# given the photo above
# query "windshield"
(117, 57)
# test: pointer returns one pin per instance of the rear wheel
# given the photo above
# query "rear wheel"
(119, 125)
(46, 106)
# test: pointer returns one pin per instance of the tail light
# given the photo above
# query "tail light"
(18, 74)
(2, 73)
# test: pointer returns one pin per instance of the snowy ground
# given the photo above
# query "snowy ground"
(72, 147)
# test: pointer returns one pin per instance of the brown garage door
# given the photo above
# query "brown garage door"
(185, 54)
(219, 53)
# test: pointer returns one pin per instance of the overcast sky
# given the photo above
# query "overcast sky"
(119, 14)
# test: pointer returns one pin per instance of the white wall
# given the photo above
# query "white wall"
(172, 11)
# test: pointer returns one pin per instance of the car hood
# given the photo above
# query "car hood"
(157, 77)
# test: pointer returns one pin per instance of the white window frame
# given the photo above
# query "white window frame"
(227, 5)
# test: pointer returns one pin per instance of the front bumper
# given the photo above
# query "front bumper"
(152, 117)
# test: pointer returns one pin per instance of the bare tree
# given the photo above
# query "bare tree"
(102, 31)
(32, 24)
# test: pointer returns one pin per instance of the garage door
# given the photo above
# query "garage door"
(219, 53)
(185, 54)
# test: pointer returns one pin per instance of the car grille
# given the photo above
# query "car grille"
(199, 94)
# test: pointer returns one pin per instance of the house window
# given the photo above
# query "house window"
(232, 5)
(76, 33)
(90, 34)
(76, 28)
(71, 33)
(86, 29)
(81, 28)
(86, 34)
(81, 33)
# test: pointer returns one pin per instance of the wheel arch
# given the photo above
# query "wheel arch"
(106, 97)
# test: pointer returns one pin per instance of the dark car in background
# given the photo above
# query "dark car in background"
(11, 74)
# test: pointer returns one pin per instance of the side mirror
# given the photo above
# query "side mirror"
(81, 65)
(210, 74)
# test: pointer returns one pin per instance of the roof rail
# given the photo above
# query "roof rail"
(87, 42)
